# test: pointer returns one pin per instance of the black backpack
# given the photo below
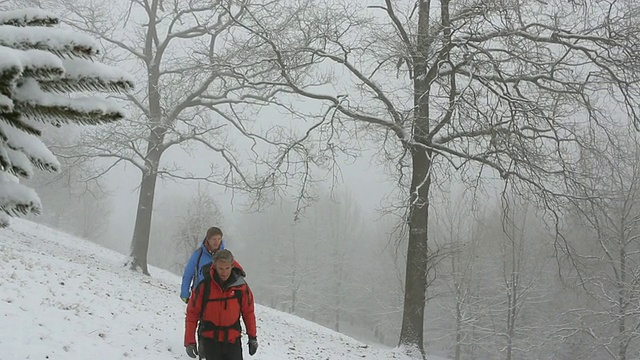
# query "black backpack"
(204, 287)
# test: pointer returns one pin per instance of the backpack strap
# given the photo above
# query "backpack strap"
(209, 325)
(194, 280)
(205, 286)
(237, 294)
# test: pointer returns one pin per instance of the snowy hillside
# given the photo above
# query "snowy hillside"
(66, 298)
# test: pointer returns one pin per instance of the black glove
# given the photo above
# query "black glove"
(192, 351)
(253, 345)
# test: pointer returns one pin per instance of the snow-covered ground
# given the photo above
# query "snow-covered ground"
(66, 298)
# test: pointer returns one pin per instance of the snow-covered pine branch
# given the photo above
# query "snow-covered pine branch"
(16, 198)
(42, 70)
(86, 75)
(28, 17)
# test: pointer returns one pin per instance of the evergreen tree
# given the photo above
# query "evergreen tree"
(42, 69)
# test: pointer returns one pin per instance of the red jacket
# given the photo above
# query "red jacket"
(222, 310)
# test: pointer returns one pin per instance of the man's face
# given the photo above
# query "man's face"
(213, 242)
(223, 269)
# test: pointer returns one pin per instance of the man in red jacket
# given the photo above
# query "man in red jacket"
(217, 305)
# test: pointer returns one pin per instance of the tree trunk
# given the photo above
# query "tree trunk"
(411, 334)
(412, 331)
(512, 288)
(458, 346)
(339, 273)
(292, 307)
(338, 294)
(142, 229)
(622, 305)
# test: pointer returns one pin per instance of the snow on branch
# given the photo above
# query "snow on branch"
(86, 75)
(28, 17)
(30, 145)
(30, 63)
(42, 70)
(59, 42)
(16, 199)
(36, 104)
(16, 120)
(18, 163)
(5, 160)
(6, 104)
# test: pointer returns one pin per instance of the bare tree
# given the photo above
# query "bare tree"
(335, 223)
(499, 284)
(202, 213)
(610, 245)
(459, 272)
(179, 226)
(198, 79)
(327, 266)
(521, 266)
(492, 282)
(378, 264)
(481, 87)
(276, 261)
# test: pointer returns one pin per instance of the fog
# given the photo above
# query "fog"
(341, 264)
(459, 177)
(369, 185)
(271, 238)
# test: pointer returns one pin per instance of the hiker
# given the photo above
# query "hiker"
(215, 308)
(192, 276)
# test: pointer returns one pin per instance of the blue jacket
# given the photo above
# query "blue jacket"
(192, 276)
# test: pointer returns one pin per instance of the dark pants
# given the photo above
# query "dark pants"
(215, 350)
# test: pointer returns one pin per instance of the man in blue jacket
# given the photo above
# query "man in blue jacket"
(202, 256)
